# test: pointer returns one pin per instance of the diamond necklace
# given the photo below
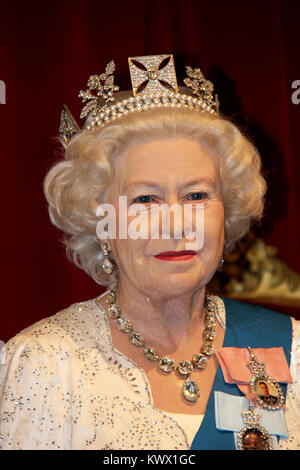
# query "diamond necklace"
(190, 389)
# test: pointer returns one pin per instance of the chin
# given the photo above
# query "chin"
(179, 284)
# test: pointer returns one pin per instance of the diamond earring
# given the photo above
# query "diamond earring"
(221, 265)
(107, 264)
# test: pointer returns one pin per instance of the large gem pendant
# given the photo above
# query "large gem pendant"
(190, 390)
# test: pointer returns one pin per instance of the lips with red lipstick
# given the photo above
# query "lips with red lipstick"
(176, 255)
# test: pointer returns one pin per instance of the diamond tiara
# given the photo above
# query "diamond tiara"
(154, 84)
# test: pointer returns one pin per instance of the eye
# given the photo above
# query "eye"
(144, 199)
(198, 196)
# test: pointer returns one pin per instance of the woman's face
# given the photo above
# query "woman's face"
(168, 172)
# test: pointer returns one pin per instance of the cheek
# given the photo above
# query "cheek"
(214, 226)
(128, 253)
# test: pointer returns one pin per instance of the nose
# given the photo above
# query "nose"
(167, 217)
(184, 221)
(171, 216)
(172, 223)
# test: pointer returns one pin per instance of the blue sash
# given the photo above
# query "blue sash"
(246, 325)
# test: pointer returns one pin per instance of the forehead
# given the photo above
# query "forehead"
(165, 161)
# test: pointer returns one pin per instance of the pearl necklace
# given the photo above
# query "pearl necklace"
(190, 389)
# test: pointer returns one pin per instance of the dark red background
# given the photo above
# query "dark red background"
(250, 49)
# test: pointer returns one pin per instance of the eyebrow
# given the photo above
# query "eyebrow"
(147, 183)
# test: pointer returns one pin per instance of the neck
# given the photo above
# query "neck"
(166, 321)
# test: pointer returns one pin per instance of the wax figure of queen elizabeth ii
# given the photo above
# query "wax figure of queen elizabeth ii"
(139, 366)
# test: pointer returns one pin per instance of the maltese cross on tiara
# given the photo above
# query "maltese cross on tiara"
(153, 74)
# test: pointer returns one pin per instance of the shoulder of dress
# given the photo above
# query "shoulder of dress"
(76, 322)
(220, 310)
(296, 332)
